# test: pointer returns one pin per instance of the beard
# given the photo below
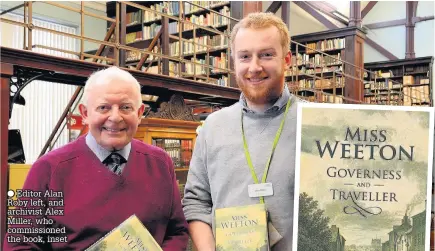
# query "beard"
(263, 94)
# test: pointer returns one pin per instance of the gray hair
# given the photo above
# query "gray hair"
(110, 74)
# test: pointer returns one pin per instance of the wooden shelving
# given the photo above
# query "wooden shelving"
(325, 64)
(176, 137)
(403, 82)
(186, 23)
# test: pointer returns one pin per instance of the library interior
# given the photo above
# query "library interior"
(342, 52)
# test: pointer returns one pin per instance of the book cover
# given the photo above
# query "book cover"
(129, 235)
(363, 178)
(242, 228)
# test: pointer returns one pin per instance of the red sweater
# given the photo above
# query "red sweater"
(97, 200)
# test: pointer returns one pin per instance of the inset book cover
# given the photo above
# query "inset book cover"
(363, 177)
(129, 235)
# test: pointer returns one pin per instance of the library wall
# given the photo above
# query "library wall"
(300, 21)
(383, 36)
(423, 32)
(424, 40)
(94, 28)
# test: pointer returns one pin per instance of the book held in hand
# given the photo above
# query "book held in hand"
(130, 235)
(242, 228)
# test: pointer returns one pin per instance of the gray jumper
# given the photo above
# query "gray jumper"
(219, 174)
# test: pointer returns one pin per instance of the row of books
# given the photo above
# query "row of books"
(317, 61)
(167, 143)
(320, 60)
(382, 74)
(133, 18)
(186, 152)
(327, 98)
(382, 85)
(326, 45)
(180, 151)
(412, 95)
(134, 36)
(299, 59)
(170, 8)
(416, 80)
(173, 69)
(399, 71)
(416, 95)
(173, 28)
(141, 16)
(219, 63)
(173, 9)
(370, 92)
(319, 83)
(394, 99)
(293, 71)
(200, 44)
(157, 70)
(191, 70)
(190, 8)
(222, 81)
(174, 72)
(152, 30)
(209, 19)
(134, 55)
(323, 98)
(215, 41)
(149, 31)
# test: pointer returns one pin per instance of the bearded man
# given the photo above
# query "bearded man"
(251, 143)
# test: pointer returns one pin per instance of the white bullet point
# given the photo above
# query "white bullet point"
(11, 193)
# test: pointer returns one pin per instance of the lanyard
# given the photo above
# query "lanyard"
(275, 142)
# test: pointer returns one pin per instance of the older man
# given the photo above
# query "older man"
(250, 143)
(107, 176)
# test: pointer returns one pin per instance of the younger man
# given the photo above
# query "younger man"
(220, 172)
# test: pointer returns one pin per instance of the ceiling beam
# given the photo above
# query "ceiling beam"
(355, 14)
(411, 10)
(285, 13)
(368, 8)
(415, 8)
(397, 22)
(330, 25)
(274, 6)
(328, 9)
(380, 49)
(421, 19)
(385, 24)
(319, 17)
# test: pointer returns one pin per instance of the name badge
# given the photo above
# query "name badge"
(260, 190)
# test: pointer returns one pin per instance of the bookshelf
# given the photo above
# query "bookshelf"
(327, 65)
(193, 34)
(399, 82)
(176, 137)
